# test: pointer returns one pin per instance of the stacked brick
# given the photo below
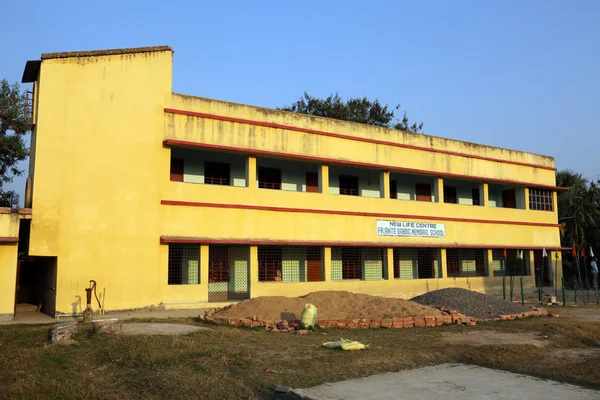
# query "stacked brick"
(449, 317)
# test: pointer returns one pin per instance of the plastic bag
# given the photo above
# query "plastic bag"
(345, 344)
(309, 316)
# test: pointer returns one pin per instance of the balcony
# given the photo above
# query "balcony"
(413, 187)
(294, 176)
(206, 167)
(463, 192)
(506, 196)
(348, 181)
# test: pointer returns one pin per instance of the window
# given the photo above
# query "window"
(269, 178)
(349, 185)
(450, 195)
(423, 191)
(541, 199)
(351, 263)
(312, 182)
(393, 189)
(475, 197)
(216, 173)
(184, 264)
(269, 264)
(177, 169)
(465, 262)
(416, 263)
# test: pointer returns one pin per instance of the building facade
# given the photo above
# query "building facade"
(172, 200)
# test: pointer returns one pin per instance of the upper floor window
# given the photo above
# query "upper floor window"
(216, 173)
(349, 185)
(541, 199)
(269, 178)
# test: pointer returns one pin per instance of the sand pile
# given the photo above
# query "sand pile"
(330, 305)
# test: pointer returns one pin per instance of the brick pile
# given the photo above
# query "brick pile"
(449, 317)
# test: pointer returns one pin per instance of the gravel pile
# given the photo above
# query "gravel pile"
(470, 303)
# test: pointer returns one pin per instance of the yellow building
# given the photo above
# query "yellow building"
(174, 201)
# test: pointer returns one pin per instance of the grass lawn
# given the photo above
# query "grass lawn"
(229, 363)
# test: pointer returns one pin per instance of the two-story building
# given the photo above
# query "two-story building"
(175, 200)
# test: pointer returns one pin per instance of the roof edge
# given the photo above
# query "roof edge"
(364, 126)
(107, 52)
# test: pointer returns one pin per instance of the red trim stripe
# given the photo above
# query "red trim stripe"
(177, 239)
(183, 143)
(8, 240)
(348, 137)
(353, 213)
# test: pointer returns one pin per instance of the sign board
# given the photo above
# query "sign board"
(408, 228)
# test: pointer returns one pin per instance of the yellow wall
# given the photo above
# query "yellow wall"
(97, 174)
(9, 229)
(101, 171)
(8, 276)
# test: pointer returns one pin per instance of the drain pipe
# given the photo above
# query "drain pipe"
(58, 316)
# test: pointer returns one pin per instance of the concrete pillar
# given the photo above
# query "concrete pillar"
(251, 172)
(526, 190)
(253, 270)
(385, 184)
(444, 263)
(486, 194)
(555, 203)
(390, 263)
(324, 179)
(488, 265)
(327, 263)
(440, 190)
(204, 272)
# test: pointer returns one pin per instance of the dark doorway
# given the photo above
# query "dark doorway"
(36, 287)
(423, 192)
(314, 264)
(543, 268)
(509, 198)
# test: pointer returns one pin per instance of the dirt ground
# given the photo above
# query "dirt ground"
(330, 305)
(233, 363)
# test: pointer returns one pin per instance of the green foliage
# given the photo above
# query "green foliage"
(14, 124)
(361, 110)
(578, 210)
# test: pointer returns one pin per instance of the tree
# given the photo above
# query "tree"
(14, 124)
(363, 111)
(578, 209)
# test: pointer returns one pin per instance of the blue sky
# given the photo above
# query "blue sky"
(518, 74)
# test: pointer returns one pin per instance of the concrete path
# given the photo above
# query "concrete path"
(160, 329)
(39, 318)
(450, 382)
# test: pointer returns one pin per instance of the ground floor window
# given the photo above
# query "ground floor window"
(416, 263)
(352, 263)
(290, 264)
(465, 262)
(184, 264)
